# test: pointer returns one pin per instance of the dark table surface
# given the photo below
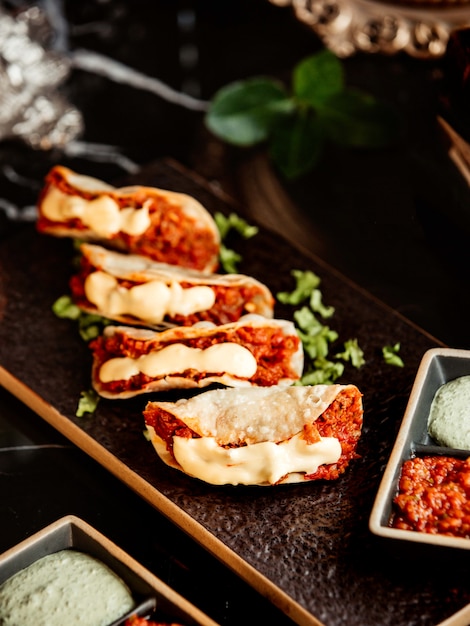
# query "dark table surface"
(394, 221)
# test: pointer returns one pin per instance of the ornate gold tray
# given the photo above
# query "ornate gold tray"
(420, 29)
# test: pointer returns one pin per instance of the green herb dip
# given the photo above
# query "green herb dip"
(66, 587)
(449, 417)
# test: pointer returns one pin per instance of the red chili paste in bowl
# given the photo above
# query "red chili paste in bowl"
(434, 496)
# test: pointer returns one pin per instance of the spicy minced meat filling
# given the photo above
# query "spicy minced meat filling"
(272, 349)
(167, 426)
(231, 301)
(173, 236)
(434, 496)
(342, 419)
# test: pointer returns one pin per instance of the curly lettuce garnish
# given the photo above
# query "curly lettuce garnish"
(391, 356)
(87, 403)
(89, 327)
(89, 324)
(353, 353)
(317, 337)
(229, 259)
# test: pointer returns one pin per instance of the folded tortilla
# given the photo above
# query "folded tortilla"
(259, 435)
(132, 289)
(252, 351)
(164, 226)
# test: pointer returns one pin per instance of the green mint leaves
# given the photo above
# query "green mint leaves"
(295, 125)
(316, 79)
(243, 113)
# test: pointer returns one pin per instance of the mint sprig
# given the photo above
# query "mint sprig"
(297, 123)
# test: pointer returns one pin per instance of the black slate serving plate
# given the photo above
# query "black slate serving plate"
(306, 547)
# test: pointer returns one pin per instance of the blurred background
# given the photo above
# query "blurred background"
(394, 220)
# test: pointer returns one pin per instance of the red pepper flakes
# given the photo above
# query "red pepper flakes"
(434, 496)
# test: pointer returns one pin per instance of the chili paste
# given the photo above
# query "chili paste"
(434, 496)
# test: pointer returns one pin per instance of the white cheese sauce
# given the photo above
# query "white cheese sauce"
(66, 587)
(449, 416)
(265, 462)
(230, 358)
(101, 215)
(150, 301)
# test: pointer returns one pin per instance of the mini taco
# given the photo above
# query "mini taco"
(259, 435)
(132, 289)
(254, 351)
(164, 226)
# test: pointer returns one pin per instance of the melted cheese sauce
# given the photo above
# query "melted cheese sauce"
(176, 358)
(101, 215)
(265, 462)
(66, 587)
(149, 301)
